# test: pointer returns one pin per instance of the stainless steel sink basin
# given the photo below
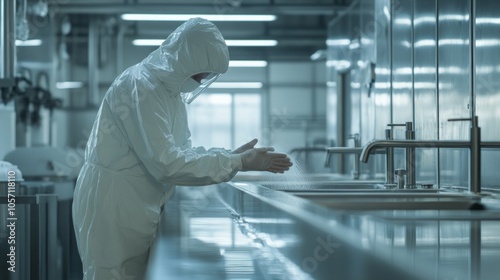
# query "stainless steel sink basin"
(439, 215)
(369, 201)
(394, 194)
(308, 185)
(339, 187)
(263, 176)
(352, 195)
(401, 205)
(342, 189)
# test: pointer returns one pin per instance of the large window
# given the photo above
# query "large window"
(225, 120)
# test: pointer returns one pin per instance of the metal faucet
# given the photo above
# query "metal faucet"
(345, 150)
(410, 156)
(400, 173)
(377, 144)
(389, 160)
(356, 150)
(357, 144)
(474, 145)
(475, 153)
(306, 150)
(341, 150)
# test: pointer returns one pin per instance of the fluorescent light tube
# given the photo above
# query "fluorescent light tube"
(69, 85)
(247, 63)
(251, 43)
(184, 17)
(29, 43)
(254, 85)
(147, 42)
(231, 43)
(338, 42)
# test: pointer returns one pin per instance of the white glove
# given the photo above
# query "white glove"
(245, 147)
(263, 159)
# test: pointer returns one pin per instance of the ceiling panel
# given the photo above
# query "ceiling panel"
(300, 27)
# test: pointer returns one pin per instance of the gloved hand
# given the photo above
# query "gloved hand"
(263, 159)
(245, 147)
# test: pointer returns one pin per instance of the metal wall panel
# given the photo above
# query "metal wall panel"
(382, 85)
(352, 92)
(422, 55)
(366, 36)
(425, 89)
(454, 87)
(366, 121)
(402, 78)
(343, 54)
(402, 62)
(487, 86)
(352, 97)
(380, 94)
(341, 60)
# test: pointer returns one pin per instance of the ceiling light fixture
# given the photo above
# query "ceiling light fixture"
(29, 43)
(254, 85)
(147, 42)
(338, 42)
(69, 85)
(184, 17)
(247, 63)
(251, 43)
(230, 43)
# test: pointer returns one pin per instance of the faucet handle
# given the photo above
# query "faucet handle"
(354, 136)
(396, 124)
(410, 133)
(388, 134)
(408, 125)
(474, 120)
(400, 174)
(356, 139)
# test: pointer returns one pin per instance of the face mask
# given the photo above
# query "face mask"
(191, 88)
(189, 85)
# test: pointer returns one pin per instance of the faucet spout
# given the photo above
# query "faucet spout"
(340, 150)
(373, 145)
(344, 150)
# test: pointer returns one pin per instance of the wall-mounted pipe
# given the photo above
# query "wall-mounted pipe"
(7, 42)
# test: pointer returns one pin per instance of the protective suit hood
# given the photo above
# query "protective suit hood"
(196, 46)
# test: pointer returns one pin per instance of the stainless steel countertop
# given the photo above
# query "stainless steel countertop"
(199, 238)
(247, 231)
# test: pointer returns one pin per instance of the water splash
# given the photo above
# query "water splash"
(297, 173)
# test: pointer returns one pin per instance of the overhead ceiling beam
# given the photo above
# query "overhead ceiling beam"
(247, 9)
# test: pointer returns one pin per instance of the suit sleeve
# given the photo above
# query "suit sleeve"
(147, 131)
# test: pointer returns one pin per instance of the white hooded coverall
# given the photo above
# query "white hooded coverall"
(139, 149)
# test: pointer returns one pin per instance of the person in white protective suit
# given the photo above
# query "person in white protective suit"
(139, 149)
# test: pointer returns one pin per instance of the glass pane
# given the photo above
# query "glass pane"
(211, 123)
(247, 118)
(210, 120)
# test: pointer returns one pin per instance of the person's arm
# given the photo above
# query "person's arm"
(147, 130)
(200, 149)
